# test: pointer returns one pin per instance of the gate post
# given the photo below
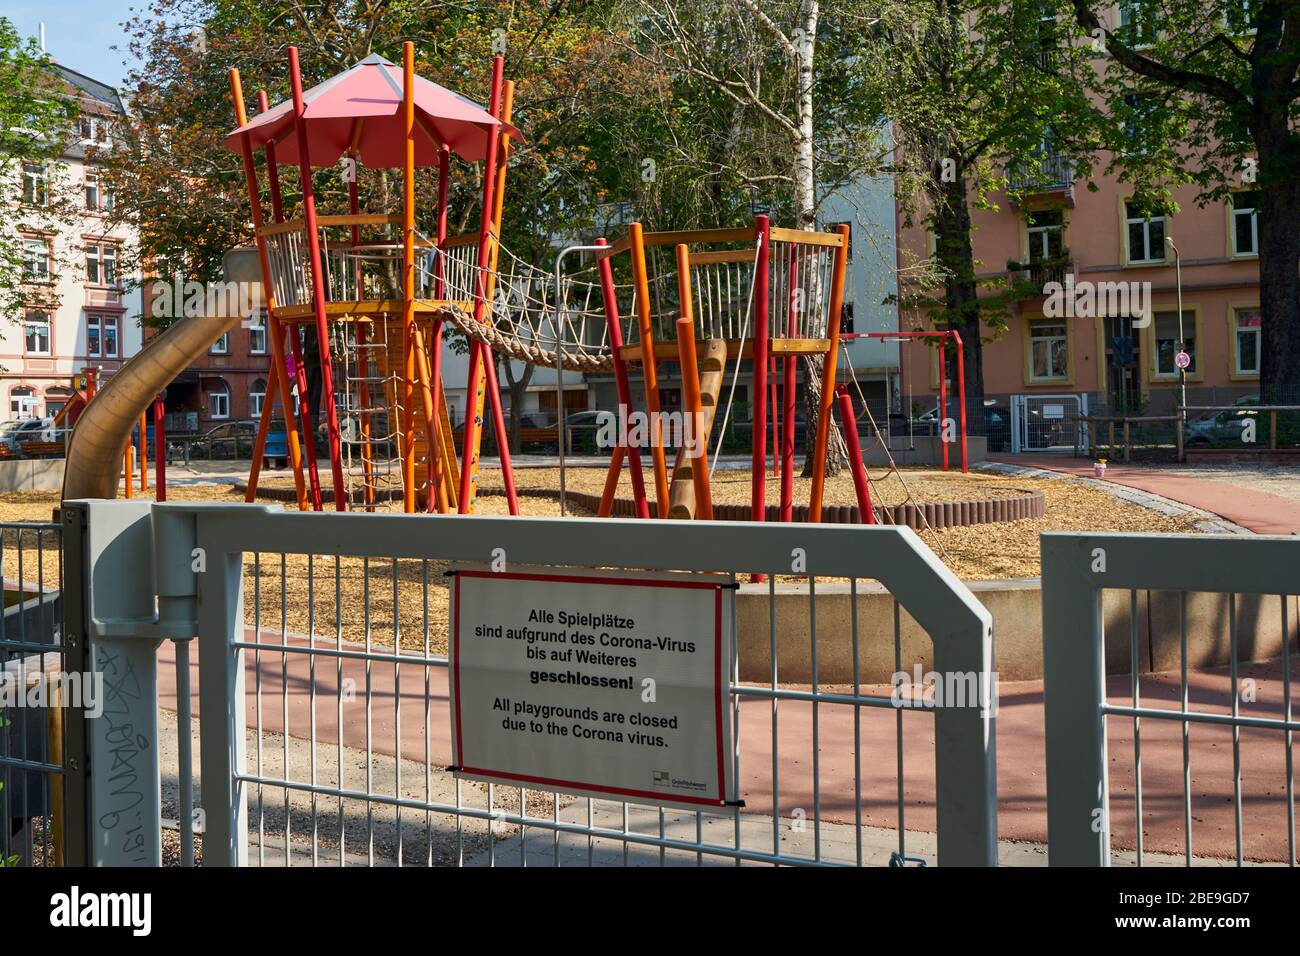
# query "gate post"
(1078, 797)
(220, 594)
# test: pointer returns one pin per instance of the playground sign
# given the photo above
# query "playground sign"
(605, 684)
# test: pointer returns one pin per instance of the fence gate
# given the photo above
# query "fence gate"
(1045, 422)
(42, 726)
(327, 735)
(1173, 603)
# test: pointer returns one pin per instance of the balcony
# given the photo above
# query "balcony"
(1048, 175)
(1038, 274)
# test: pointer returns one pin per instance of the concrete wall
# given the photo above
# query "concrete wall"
(924, 450)
(1016, 607)
(31, 474)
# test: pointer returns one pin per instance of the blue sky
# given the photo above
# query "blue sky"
(78, 33)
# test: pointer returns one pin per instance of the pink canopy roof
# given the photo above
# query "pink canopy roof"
(370, 94)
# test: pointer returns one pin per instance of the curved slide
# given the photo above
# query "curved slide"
(94, 464)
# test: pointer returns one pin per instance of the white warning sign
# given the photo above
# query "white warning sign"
(600, 683)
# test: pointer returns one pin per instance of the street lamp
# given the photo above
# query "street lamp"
(1182, 343)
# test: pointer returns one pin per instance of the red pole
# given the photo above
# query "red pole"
(317, 280)
(788, 383)
(961, 393)
(621, 380)
(159, 450)
(758, 466)
(776, 408)
(849, 423)
(943, 400)
(478, 377)
(308, 433)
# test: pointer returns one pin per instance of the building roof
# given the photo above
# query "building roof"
(88, 86)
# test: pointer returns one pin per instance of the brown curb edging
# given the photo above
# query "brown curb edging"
(937, 514)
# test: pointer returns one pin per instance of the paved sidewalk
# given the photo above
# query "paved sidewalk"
(1260, 511)
(400, 695)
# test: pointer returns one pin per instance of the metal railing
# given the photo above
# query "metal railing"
(37, 728)
(1253, 584)
(331, 627)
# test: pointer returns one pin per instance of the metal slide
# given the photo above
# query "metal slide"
(94, 463)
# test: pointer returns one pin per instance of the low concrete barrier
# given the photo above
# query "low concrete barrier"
(1016, 606)
(31, 474)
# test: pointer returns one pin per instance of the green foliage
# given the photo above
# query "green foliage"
(36, 114)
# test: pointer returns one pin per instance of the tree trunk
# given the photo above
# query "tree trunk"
(961, 295)
(805, 42)
(1279, 264)
(517, 389)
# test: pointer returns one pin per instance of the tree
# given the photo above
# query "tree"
(979, 92)
(36, 114)
(1205, 83)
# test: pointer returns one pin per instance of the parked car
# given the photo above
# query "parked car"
(230, 441)
(1223, 428)
(15, 436)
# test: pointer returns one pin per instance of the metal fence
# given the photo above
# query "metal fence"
(37, 785)
(322, 682)
(1242, 591)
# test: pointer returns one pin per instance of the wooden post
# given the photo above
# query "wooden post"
(317, 280)
(127, 462)
(1128, 442)
(144, 453)
(789, 374)
(640, 277)
(408, 277)
(611, 482)
(828, 375)
(692, 404)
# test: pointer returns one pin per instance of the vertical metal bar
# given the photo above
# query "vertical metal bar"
(428, 758)
(1290, 736)
(311, 703)
(257, 703)
(370, 764)
(776, 743)
(397, 709)
(1187, 741)
(338, 704)
(1236, 728)
(1135, 669)
(857, 721)
(185, 756)
(816, 732)
(898, 732)
(75, 586)
(284, 701)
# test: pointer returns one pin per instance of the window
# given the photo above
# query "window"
(256, 395)
(1145, 235)
(1166, 333)
(1137, 114)
(36, 184)
(1247, 326)
(1245, 224)
(1137, 22)
(219, 402)
(99, 195)
(93, 130)
(1046, 231)
(36, 260)
(1239, 15)
(22, 403)
(257, 334)
(222, 345)
(36, 335)
(1048, 351)
(101, 264)
(101, 336)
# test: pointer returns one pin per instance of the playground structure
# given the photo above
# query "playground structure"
(372, 297)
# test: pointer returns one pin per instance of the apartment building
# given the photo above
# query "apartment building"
(77, 311)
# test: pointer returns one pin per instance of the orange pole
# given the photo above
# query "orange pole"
(259, 446)
(611, 482)
(126, 467)
(277, 357)
(408, 278)
(828, 377)
(648, 372)
(296, 440)
(144, 455)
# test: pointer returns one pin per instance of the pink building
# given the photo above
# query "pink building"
(1112, 345)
